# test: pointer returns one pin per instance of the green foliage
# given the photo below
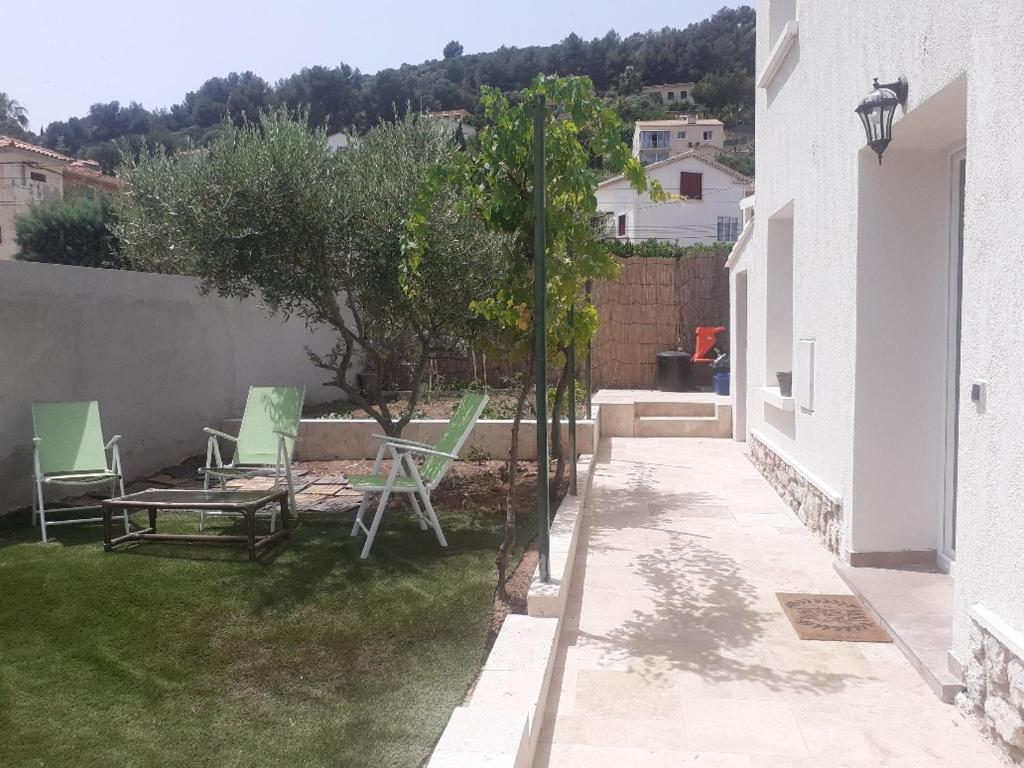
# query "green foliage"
(342, 98)
(661, 249)
(629, 83)
(13, 118)
(743, 163)
(453, 49)
(637, 107)
(270, 211)
(73, 231)
(477, 454)
(727, 95)
(13, 111)
(499, 178)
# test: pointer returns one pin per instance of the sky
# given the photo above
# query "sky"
(154, 53)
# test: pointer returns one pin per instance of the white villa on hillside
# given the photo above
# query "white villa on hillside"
(893, 292)
(709, 213)
(671, 94)
(656, 140)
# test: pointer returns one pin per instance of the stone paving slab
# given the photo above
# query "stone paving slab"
(674, 650)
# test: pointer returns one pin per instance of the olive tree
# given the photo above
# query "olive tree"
(270, 211)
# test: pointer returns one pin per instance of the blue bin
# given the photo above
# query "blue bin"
(720, 382)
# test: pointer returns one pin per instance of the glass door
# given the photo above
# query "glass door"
(947, 551)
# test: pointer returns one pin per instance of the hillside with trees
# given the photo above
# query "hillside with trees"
(717, 53)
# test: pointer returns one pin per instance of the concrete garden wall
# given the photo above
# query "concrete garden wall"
(162, 360)
(353, 439)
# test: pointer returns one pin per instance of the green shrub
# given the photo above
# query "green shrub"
(74, 231)
(661, 249)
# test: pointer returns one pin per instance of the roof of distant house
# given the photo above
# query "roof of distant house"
(697, 153)
(87, 173)
(659, 86)
(82, 172)
(9, 142)
(452, 113)
(678, 122)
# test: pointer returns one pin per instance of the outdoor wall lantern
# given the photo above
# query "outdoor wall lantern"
(876, 111)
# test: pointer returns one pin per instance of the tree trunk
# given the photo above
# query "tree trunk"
(501, 561)
(556, 433)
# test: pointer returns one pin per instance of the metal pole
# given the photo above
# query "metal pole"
(572, 397)
(589, 371)
(540, 338)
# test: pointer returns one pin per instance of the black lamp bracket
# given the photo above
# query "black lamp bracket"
(899, 88)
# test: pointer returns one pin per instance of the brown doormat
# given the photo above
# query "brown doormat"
(831, 617)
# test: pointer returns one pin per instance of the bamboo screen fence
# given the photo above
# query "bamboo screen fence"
(655, 305)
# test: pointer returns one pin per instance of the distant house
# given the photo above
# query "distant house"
(30, 174)
(86, 174)
(338, 141)
(657, 140)
(671, 93)
(708, 212)
(453, 119)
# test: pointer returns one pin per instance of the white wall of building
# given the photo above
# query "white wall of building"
(162, 360)
(19, 191)
(870, 280)
(686, 222)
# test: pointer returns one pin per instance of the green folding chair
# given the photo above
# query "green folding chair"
(266, 440)
(68, 452)
(417, 481)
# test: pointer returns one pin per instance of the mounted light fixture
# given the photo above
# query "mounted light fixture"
(876, 111)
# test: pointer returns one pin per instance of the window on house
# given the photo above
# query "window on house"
(648, 156)
(707, 135)
(682, 94)
(671, 95)
(622, 225)
(36, 176)
(654, 139)
(728, 229)
(680, 134)
(691, 185)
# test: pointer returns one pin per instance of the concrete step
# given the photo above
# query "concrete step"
(920, 626)
(679, 426)
(668, 408)
(477, 736)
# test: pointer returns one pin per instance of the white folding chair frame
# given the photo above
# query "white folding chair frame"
(403, 464)
(233, 472)
(75, 480)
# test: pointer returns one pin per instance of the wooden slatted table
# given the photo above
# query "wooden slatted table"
(243, 503)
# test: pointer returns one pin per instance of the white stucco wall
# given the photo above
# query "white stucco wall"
(870, 246)
(687, 222)
(162, 360)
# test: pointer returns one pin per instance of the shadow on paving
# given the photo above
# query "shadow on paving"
(706, 616)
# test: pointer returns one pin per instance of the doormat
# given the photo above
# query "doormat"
(831, 617)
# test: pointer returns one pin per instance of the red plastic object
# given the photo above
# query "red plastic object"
(707, 340)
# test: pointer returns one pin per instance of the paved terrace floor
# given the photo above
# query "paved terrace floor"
(675, 651)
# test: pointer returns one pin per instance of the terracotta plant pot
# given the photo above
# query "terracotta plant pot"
(785, 383)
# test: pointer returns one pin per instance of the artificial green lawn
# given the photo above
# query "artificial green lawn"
(188, 655)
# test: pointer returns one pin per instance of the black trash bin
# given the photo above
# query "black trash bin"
(672, 372)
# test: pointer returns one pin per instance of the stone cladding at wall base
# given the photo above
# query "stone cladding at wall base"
(993, 699)
(816, 509)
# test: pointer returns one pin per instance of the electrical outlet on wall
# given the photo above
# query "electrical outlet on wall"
(803, 375)
(979, 393)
